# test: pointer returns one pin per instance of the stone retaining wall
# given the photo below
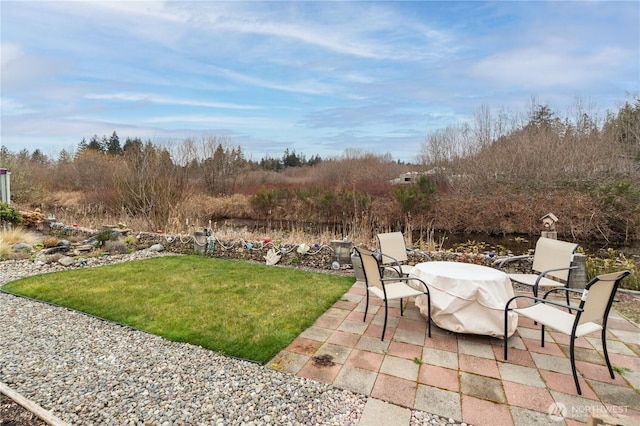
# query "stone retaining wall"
(322, 257)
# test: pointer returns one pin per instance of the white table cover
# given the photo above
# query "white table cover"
(466, 298)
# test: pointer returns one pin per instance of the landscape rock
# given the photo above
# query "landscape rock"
(66, 261)
(156, 247)
(54, 250)
(21, 247)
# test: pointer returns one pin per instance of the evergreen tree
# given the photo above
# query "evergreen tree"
(95, 144)
(132, 145)
(64, 157)
(4, 156)
(314, 160)
(270, 163)
(39, 158)
(625, 128)
(113, 146)
(82, 145)
(221, 171)
(290, 159)
(544, 119)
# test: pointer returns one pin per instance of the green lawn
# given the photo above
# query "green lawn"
(241, 309)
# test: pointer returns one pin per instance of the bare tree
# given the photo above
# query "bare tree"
(151, 185)
(220, 165)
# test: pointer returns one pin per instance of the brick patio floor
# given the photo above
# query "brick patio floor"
(464, 377)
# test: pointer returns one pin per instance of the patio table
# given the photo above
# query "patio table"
(466, 298)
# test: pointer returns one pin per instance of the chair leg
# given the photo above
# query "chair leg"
(505, 334)
(542, 336)
(366, 307)
(604, 350)
(535, 294)
(384, 327)
(429, 314)
(572, 347)
(506, 321)
(401, 308)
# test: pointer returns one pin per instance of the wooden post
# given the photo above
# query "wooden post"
(42, 414)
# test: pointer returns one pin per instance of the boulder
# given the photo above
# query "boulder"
(84, 248)
(21, 247)
(54, 250)
(66, 261)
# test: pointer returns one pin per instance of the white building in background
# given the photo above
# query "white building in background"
(412, 177)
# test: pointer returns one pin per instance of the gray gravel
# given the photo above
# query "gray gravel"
(88, 371)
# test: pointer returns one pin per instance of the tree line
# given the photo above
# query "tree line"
(112, 146)
(490, 174)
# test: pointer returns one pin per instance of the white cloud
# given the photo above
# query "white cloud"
(158, 99)
(10, 106)
(227, 121)
(550, 65)
(318, 74)
(19, 67)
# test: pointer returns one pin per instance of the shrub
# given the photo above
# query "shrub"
(49, 242)
(9, 214)
(611, 260)
(619, 202)
(131, 241)
(106, 235)
(416, 197)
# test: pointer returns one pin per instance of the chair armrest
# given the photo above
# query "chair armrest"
(544, 273)
(397, 267)
(421, 253)
(541, 300)
(395, 280)
(512, 259)
(565, 289)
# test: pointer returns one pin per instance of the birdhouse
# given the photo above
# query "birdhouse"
(549, 222)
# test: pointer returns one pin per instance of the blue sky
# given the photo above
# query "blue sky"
(314, 77)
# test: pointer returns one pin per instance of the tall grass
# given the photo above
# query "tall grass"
(12, 235)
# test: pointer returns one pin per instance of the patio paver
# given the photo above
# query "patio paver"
(463, 377)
